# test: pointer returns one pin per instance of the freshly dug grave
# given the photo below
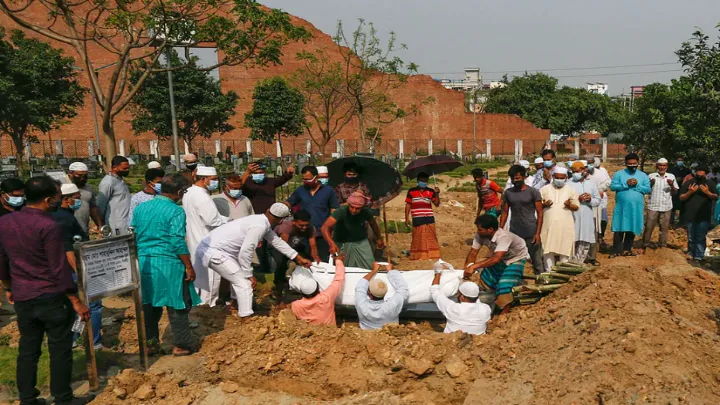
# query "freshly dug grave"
(636, 330)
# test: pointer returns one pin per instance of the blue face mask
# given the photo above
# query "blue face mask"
(559, 183)
(548, 164)
(234, 193)
(258, 178)
(680, 163)
(591, 167)
(158, 188)
(213, 185)
(76, 205)
(324, 181)
(422, 184)
(15, 201)
(577, 176)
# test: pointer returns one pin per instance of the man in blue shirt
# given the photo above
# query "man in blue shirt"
(317, 199)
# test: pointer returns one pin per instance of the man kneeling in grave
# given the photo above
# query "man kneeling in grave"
(503, 269)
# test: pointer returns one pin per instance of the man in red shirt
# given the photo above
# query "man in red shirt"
(418, 204)
(487, 190)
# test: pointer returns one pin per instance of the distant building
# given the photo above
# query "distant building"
(472, 80)
(495, 84)
(598, 88)
(636, 91)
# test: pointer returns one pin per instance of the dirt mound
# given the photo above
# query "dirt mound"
(636, 330)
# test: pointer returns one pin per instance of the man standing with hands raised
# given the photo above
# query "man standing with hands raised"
(664, 188)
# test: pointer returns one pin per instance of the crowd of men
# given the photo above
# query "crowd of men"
(196, 248)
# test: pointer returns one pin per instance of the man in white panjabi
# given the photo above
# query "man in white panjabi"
(228, 250)
(589, 197)
(202, 217)
(560, 200)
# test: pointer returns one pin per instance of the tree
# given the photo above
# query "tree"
(132, 34)
(371, 73)
(277, 111)
(528, 96)
(39, 89)
(321, 82)
(650, 129)
(202, 109)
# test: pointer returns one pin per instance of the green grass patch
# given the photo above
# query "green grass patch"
(396, 227)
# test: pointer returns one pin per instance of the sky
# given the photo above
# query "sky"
(445, 37)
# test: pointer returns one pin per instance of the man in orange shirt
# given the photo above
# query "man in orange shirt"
(316, 307)
(487, 191)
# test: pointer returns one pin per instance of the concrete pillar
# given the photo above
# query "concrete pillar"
(518, 151)
(430, 147)
(401, 148)
(155, 149)
(218, 147)
(341, 149)
(278, 149)
(248, 146)
(28, 150)
(577, 148)
(459, 149)
(91, 148)
(604, 149)
(521, 154)
(488, 149)
(121, 147)
(308, 147)
(187, 148)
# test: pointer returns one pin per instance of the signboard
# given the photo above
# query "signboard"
(59, 175)
(105, 268)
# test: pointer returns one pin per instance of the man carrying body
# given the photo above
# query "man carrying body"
(89, 209)
(299, 234)
(316, 307)
(698, 196)
(228, 251)
(527, 215)
(38, 280)
(487, 194)
(660, 206)
(113, 198)
(317, 199)
(202, 217)
(469, 315)
(373, 309)
(350, 231)
(166, 270)
(153, 182)
(630, 186)
(13, 196)
(558, 229)
(503, 270)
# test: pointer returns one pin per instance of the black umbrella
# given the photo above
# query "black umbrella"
(382, 179)
(434, 164)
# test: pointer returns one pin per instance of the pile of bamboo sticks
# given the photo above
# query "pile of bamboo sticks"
(546, 283)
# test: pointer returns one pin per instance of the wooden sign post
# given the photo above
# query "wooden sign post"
(106, 268)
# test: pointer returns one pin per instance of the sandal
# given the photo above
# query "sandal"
(593, 263)
(178, 352)
(612, 256)
(630, 254)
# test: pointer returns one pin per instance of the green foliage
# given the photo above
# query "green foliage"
(4, 339)
(683, 117)
(277, 111)
(202, 108)
(396, 227)
(39, 88)
(567, 110)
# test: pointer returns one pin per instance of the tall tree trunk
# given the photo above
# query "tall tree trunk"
(361, 127)
(19, 152)
(109, 139)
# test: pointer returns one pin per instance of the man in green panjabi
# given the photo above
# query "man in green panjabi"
(166, 270)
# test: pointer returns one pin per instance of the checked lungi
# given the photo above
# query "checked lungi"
(503, 277)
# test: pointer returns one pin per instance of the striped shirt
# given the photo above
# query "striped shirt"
(420, 200)
(661, 196)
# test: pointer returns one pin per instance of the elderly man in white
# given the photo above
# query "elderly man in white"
(202, 217)
(228, 251)
(373, 309)
(660, 205)
(469, 314)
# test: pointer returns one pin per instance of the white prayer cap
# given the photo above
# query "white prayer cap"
(559, 170)
(694, 165)
(597, 161)
(206, 171)
(190, 157)
(322, 170)
(154, 165)
(539, 160)
(469, 289)
(377, 288)
(561, 164)
(662, 161)
(525, 164)
(78, 167)
(584, 162)
(131, 162)
(307, 285)
(280, 210)
(69, 189)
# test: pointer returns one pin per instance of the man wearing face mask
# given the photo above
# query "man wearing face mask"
(559, 200)
(114, 196)
(65, 217)
(317, 199)
(589, 197)
(190, 167)
(526, 220)
(13, 196)
(698, 196)
(630, 185)
(600, 176)
(202, 216)
(544, 177)
(418, 204)
(231, 202)
(660, 205)
(323, 175)
(88, 209)
(153, 182)
(351, 184)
